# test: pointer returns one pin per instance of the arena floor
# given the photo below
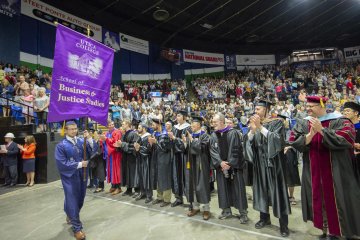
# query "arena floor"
(37, 213)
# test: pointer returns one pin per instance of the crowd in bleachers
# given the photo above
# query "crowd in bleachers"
(232, 94)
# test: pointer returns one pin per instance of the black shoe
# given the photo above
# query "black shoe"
(284, 231)
(225, 216)
(177, 203)
(98, 190)
(127, 193)
(148, 200)
(331, 237)
(164, 204)
(90, 186)
(12, 185)
(262, 223)
(323, 236)
(157, 201)
(244, 219)
(135, 194)
(140, 196)
(5, 185)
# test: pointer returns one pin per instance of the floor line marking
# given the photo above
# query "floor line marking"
(189, 219)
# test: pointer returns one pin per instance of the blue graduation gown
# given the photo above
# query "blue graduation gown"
(68, 156)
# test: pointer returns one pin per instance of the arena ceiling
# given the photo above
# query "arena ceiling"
(241, 26)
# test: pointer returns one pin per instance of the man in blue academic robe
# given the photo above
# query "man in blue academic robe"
(69, 159)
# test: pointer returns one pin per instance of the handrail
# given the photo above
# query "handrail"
(10, 100)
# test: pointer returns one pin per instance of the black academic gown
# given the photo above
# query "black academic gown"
(301, 128)
(97, 162)
(292, 168)
(144, 160)
(200, 165)
(338, 138)
(356, 160)
(161, 162)
(179, 160)
(269, 184)
(129, 160)
(231, 191)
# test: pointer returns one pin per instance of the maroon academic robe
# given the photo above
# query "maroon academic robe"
(333, 184)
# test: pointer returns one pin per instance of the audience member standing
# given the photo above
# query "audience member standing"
(28, 158)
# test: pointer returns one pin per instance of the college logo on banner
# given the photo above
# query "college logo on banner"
(134, 44)
(230, 62)
(82, 75)
(111, 39)
(203, 57)
(10, 8)
(49, 14)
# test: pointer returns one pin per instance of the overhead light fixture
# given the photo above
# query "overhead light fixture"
(206, 25)
(316, 53)
(295, 52)
(303, 51)
(301, 54)
(329, 49)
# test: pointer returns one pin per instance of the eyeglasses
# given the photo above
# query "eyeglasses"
(312, 106)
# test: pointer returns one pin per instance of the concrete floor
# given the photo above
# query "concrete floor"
(37, 213)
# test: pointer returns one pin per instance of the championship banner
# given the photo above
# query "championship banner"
(230, 62)
(134, 44)
(352, 52)
(49, 14)
(203, 57)
(82, 74)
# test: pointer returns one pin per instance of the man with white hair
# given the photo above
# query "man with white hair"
(9, 154)
(226, 156)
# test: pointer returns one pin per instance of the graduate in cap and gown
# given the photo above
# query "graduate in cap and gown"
(179, 159)
(143, 154)
(226, 153)
(161, 147)
(351, 111)
(264, 146)
(199, 167)
(327, 140)
(69, 155)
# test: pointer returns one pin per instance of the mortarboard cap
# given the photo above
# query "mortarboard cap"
(156, 120)
(282, 116)
(352, 105)
(264, 103)
(197, 119)
(70, 123)
(182, 112)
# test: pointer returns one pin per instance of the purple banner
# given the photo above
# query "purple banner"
(82, 74)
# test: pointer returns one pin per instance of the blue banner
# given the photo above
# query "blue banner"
(230, 62)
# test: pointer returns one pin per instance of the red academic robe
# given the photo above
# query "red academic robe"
(113, 167)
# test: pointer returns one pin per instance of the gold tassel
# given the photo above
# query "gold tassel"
(322, 103)
(62, 133)
(188, 165)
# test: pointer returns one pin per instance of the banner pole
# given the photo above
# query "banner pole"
(85, 123)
